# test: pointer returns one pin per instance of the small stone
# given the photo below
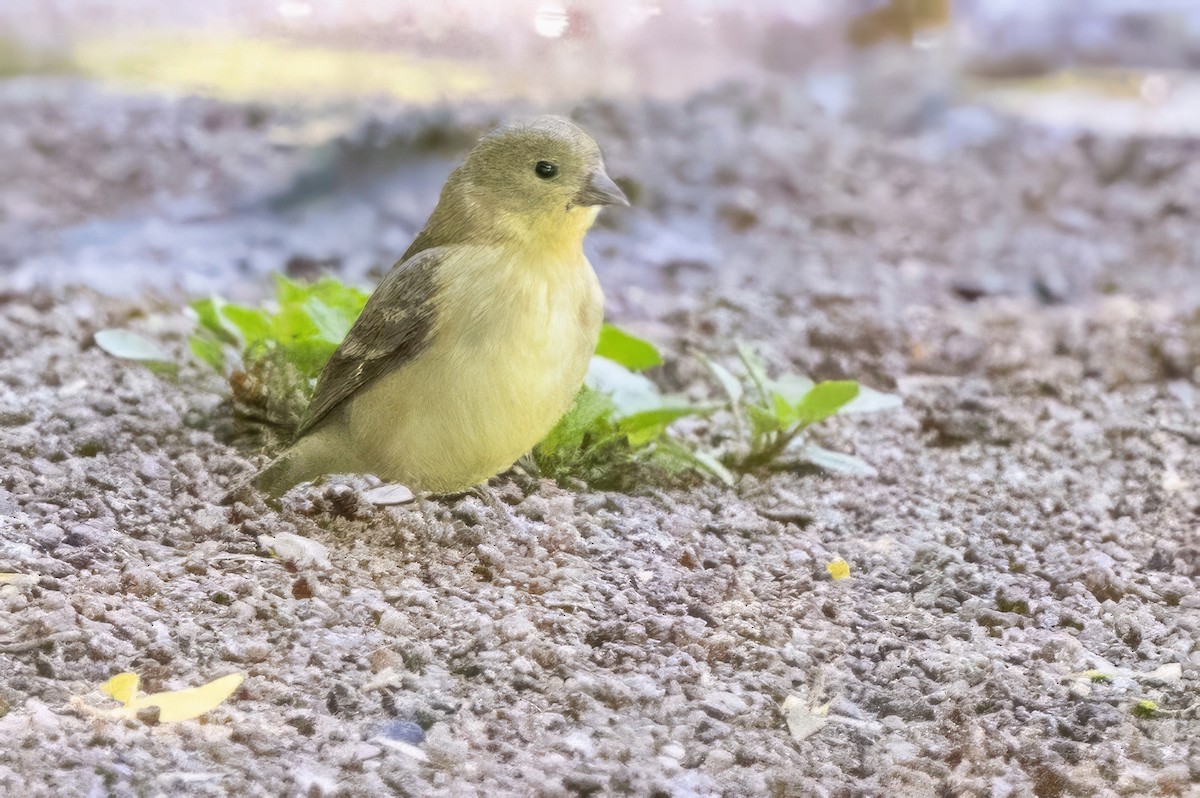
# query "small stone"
(343, 501)
(49, 535)
(403, 731)
(723, 705)
(150, 469)
(719, 759)
(644, 687)
(673, 751)
(392, 622)
(248, 651)
(364, 751)
(208, 519)
(515, 627)
(490, 556)
(388, 495)
(149, 715)
(300, 552)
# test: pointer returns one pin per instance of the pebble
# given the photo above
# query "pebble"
(388, 495)
(719, 759)
(403, 731)
(151, 469)
(723, 705)
(515, 627)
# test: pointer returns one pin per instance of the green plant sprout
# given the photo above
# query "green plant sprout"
(772, 417)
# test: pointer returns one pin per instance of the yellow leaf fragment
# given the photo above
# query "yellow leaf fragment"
(838, 569)
(123, 687)
(178, 705)
(20, 580)
(173, 705)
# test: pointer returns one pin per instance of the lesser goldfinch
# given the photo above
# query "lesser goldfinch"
(478, 339)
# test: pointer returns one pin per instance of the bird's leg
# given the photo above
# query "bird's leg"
(525, 474)
(484, 492)
(488, 496)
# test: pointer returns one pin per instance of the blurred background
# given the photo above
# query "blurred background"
(196, 146)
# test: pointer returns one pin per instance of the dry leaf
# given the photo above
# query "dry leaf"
(19, 580)
(174, 705)
(123, 687)
(193, 702)
(838, 569)
(802, 721)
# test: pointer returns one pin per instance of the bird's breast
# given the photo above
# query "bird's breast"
(528, 336)
(509, 352)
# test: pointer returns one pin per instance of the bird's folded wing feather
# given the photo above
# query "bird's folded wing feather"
(394, 327)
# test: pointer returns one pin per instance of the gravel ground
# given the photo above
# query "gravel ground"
(1033, 295)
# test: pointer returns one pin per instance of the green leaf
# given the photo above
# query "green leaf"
(309, 354)
(586, 445)
(785, 414)
(648, 425)
(346, 300)
(837, 462)
(291, 292)
(331, 324)
(729, 383)
(208, 349)
(129, 345)
(208, 314)
(253, 326)
(630, 351)
(762, 421)
(825, 399)
(292, 324)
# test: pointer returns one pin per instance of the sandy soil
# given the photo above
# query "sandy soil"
(1033, 295)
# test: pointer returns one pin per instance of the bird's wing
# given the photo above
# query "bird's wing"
(394, 327)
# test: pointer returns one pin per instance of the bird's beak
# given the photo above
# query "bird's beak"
(601, 190)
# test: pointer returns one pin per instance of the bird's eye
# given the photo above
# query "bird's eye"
(545, 170)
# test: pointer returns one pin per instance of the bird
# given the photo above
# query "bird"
(476, 342)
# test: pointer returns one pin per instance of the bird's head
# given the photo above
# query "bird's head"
(535, 179)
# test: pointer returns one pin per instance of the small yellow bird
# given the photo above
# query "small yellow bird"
(477, 340)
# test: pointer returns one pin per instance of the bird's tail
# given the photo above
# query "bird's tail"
(306, 460)
(279, 475)
(274, 479)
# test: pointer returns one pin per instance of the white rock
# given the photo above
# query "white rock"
(300, 552)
